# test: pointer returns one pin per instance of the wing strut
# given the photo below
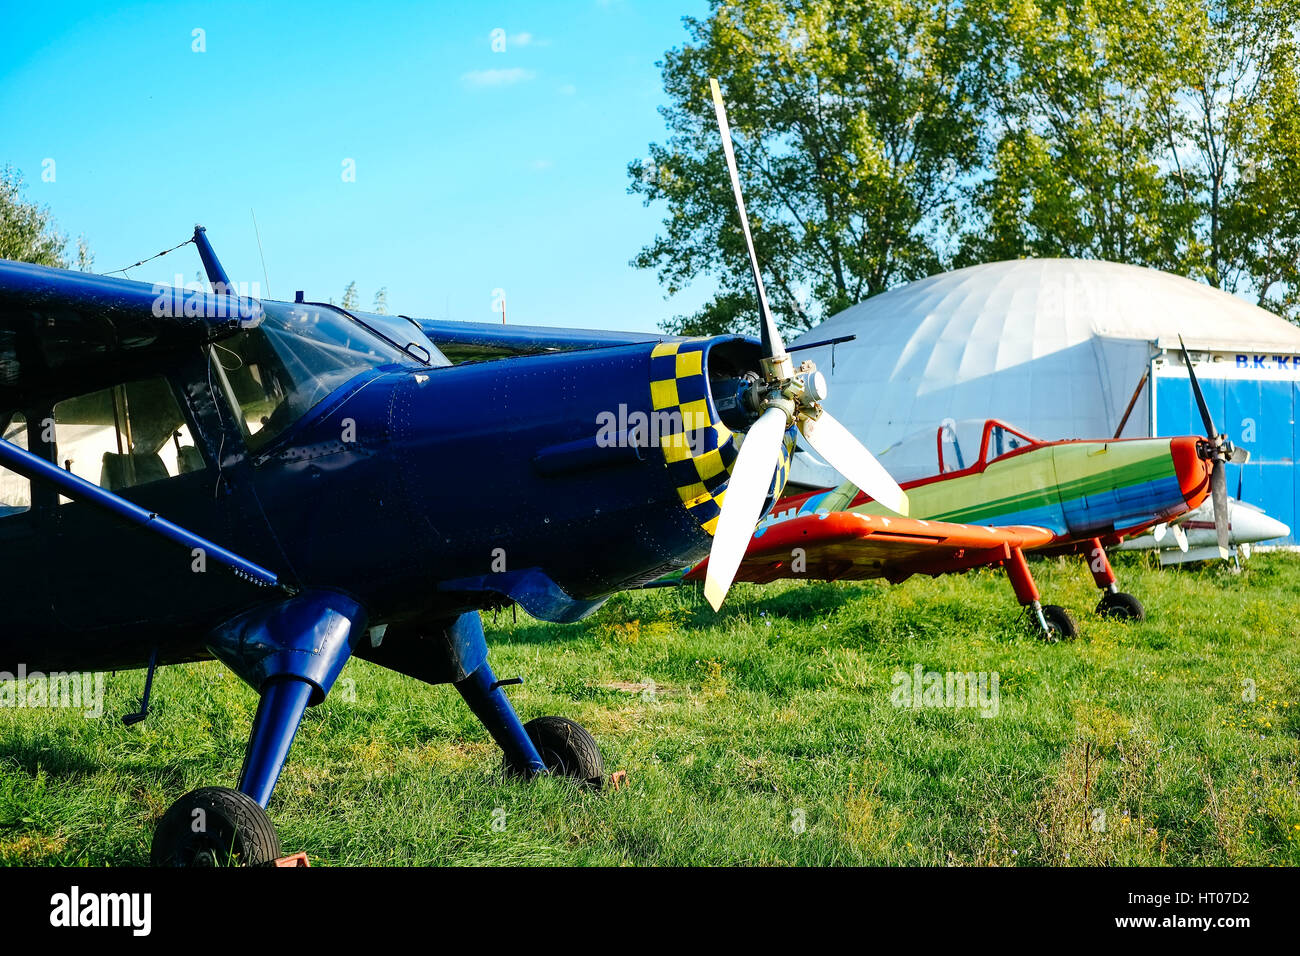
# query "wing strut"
(217, 277)
(38, 469)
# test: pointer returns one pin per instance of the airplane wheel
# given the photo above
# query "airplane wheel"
(567, 749)
(1060, 625)
(215, 826)
(1121, 606)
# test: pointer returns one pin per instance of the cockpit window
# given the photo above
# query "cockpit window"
(953, 446)
(960, 443)
(127, 435)
(280, 369)
(1004, 440)
(406, 333)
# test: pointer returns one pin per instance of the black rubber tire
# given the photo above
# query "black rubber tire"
(1060, 624)
(1121, 606)
(236, 831)
(566, 749)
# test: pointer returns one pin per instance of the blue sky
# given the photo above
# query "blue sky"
(474, 170)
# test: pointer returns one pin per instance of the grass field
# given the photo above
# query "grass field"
(764, 735)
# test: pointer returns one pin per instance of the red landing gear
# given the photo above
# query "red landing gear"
(1053, 621)
(1114, 602)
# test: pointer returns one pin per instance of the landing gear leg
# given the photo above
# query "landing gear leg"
(490, 705)
(1114, 602)
(456, 653)
(1052, 621)
(284, 701)
(310, 638)
(554, 745)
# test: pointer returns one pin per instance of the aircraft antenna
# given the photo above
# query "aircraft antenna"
(256, 232)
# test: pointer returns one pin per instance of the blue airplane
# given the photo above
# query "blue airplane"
(191, 475)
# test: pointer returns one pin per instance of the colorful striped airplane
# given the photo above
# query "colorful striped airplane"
(1015, 494)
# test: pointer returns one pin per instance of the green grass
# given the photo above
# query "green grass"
(778, 709)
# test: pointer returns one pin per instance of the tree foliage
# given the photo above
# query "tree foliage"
(854, 121)
(885, 140)
(27, 230)
(1078, 119)
(351, 298)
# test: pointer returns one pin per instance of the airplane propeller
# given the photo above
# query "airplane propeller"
(1220, 450)
(786, 396)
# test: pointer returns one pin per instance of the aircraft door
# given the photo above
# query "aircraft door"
(139, 439)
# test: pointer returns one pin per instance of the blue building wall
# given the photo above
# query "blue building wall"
(1258, 414)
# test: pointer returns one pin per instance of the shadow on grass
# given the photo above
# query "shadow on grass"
(808, 601)
(46, 753)
(538, 634)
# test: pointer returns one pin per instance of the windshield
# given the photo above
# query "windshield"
(280, 369)
(952, 446)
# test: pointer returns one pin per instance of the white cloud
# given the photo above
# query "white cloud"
(486, 78)
(520, 39)
(542, 164)
(568, 89)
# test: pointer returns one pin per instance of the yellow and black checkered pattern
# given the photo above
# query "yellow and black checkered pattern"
(699, 450)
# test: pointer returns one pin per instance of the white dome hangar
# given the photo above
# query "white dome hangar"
(1059, 347)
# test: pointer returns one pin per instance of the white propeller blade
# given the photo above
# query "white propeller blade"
(1181, 537)
(845, 454)
(742, 503)
(1158, 532)
(771, 337)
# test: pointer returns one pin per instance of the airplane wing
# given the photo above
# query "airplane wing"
(56, 324)
(845, 545)
(482, 341)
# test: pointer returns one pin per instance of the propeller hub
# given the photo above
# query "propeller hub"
(814, 386)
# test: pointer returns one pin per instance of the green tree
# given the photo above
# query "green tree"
(380, 306)
(27, 231)
(351, 298)
(85, 258)
(855, 123)
(1262, 220)
(1153, 132)
(1078, 169)
(1239, 129)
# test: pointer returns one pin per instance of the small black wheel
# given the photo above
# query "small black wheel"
(566, 749)
(1060, 625)
(1121, 606)
(215, 826)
